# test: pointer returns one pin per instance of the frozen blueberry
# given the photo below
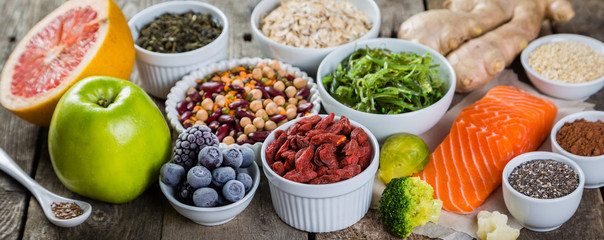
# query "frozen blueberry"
(232, 157)
(205, 197)
(248, 156)
(199, 177)
(233, 191)
(246, 179)
(222, 175)
(210, 157)
(172, 174)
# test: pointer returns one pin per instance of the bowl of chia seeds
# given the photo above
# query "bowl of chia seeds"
(542, 190)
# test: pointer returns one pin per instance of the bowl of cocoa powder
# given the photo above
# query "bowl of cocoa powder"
(580, 137)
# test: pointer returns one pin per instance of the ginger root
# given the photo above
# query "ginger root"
(479, 59)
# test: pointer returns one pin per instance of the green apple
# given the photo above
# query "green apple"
(108, 140)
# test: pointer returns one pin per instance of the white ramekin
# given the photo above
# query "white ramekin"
(324, 207)
(159, 71)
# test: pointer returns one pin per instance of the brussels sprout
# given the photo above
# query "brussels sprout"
(402, 155)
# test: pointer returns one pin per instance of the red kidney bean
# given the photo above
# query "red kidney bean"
(195, 96)
(237, 88)
(265, 94)
(222, 131)
(190, 105)
(259, 136)
(239, 104)
(214, 115)
(214, 87)
(290, 77)
(208, 95)
(304, 92)
(188, 124)
(238, 125)
(241, 113)
(278, 117)
(274, 92)
(300, 115)
(226, 118)
(186, 115)
(303, 107)
(181, 106)
(245, 141)
(214, 125)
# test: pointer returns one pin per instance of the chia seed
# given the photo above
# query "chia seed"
(544, 179)
(66, 210)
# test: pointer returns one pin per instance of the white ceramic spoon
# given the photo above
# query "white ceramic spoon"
(44, 197)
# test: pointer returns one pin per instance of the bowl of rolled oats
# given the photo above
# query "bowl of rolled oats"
(566, 66)
(303, 32)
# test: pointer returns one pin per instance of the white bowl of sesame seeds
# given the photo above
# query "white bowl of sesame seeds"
(566, 66)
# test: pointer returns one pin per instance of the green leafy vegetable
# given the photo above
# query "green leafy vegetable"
(380, 81)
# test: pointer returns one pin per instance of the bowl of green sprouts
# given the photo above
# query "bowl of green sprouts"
(389, 85)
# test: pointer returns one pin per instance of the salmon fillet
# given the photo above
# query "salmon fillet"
(467, 166)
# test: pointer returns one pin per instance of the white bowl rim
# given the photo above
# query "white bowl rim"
(560, 37)
(291, 186)
(167, 5)
(570, 118)
(388, 42)
(537, 155)
(239, 61)
(256, 30)
(250, 194)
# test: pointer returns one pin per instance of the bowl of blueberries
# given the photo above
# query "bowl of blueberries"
(207, 182)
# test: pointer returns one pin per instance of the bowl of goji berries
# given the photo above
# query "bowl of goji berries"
(320, 170)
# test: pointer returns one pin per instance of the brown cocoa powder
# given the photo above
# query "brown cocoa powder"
(582, 137)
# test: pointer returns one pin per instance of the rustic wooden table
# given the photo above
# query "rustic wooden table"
(151, 217)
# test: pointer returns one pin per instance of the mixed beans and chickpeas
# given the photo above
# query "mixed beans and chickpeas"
(245, 103)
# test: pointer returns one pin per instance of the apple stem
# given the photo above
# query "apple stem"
(103, 102)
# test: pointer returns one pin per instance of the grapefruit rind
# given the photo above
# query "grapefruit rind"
(112, 55)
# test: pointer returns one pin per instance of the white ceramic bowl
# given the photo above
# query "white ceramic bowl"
(541, 215)
(212, 216)
(307, 59)
(384, 125)
(591, 166)
(574, 91)
(159, 71)
(177, 93)
(326, 207)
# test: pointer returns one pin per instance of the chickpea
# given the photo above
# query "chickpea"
(255, 105)
(202, 115)
(247, 89)
(249, 129)
(190, 90)
(266, 102)
(291, 91)
(220, 100)
(242, 137)
(281, 73)
(270, 74)
(258, 123)
(256, 93)
(272, 109)
(244, 121)
(237, 82)
(275, 64)
(279, 100)
(266, 70)
(292, 101)
(207, 104)
(261, 65)
(291, 113)
(261, 113)
(228, 140)
(200, 123)
(282, 122)
(300, 83)
(279, 86)
(291, 106)
(280, 109)
(302, 101)
(257, 73)
(270, 125)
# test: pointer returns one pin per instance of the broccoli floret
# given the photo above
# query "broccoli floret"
(407, 202)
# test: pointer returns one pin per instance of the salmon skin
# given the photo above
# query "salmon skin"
(467, 166)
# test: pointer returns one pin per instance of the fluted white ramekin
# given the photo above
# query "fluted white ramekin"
(159, 71)
(323, 207)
